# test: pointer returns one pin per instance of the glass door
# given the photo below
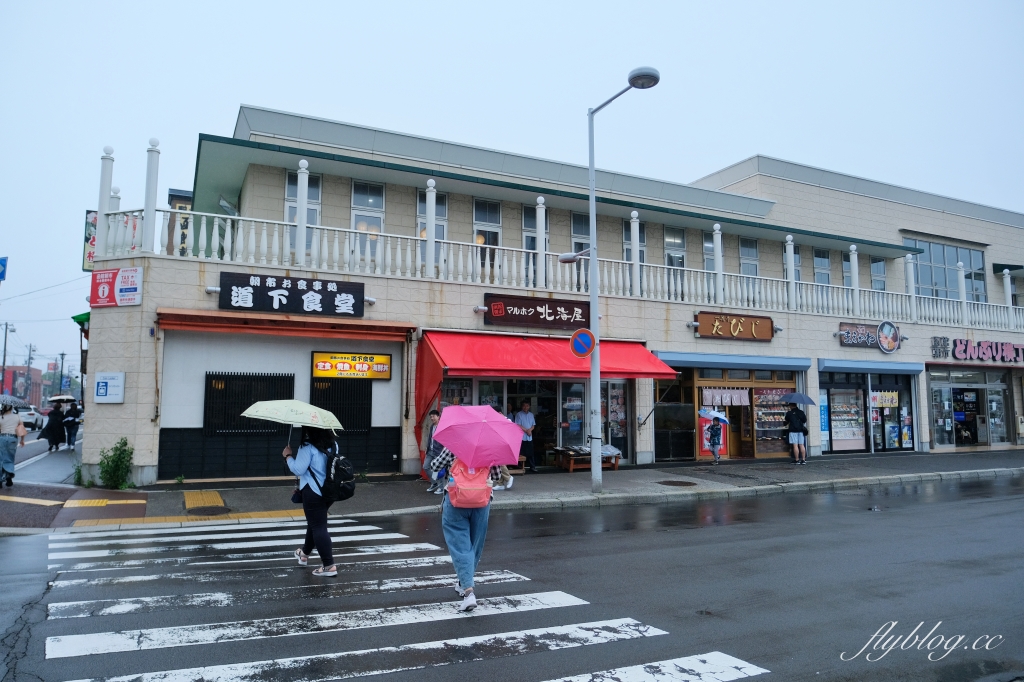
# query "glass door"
(965, 417)
(573, 423)
(997, 428)
(492, 392)
(846, 412)
(942, 416)
(614, 417)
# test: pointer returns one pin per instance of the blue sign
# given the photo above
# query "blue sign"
(582, 343)
(65, 383)
(3, 268)
(101, 388)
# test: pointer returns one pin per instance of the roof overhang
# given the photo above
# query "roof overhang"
(228, 322)
(1015, 270)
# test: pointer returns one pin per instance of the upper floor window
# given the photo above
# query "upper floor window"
(847, 276)
(487, 222)
(748, 257)
(877, 273)
(367, 212)
(627, 251)
(367, 195)
(796, 262)
(936, 271)
(440, 221)
(709, 250)
(580, 232)
(822, 266)
(530, 229)
(291, 194)
(675, 247)
(440, 204)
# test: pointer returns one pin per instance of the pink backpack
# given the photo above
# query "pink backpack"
(469, 488)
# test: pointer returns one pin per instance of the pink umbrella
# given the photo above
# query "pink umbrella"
(479, 435)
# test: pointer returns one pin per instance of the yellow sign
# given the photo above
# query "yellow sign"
(351, 366)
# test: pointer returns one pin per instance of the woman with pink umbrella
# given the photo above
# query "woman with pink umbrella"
(477, 440)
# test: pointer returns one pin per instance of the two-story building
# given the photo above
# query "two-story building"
(305, 267)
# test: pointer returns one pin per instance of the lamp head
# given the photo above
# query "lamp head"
(644, 77)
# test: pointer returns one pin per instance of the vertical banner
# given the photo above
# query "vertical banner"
(89, 247)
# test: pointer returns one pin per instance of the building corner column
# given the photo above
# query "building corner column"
(301, 197)
(149, 209)
(634, 256)
(542, 248)
(719, 265)
(855, 279)
(1011, 322)
(911, 286)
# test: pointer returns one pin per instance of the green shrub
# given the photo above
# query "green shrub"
(78, 474)
(180, 479)
(116, 465)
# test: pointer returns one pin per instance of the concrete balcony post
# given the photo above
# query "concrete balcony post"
(301, 197)
(149, 207)
(911, 286)
(102, 223)
(430, 235)
(542, 241)
(634, 253)
(719, 265)
(855, 279)
(790, 273)
(115, 200)
(1008, 299)
(961, 282)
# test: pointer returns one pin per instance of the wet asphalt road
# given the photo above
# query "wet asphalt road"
(787, 583)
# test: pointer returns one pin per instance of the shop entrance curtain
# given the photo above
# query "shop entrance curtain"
(725, 396)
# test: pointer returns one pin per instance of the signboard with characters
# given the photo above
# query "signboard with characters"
(351, 366)
(297, 295)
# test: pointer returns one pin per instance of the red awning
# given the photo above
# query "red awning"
(461, 354)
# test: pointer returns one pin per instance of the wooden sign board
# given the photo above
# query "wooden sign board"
(733, 327)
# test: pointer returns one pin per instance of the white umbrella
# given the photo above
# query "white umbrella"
(711, 414)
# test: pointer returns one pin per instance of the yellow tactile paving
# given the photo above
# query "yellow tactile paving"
(100, 502)
(29, 500)
(277, 514)
(203, 498)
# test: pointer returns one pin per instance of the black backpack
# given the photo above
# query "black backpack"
(340, 482)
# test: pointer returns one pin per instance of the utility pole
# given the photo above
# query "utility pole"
(3, 374)
(60, 386)
(28, 372)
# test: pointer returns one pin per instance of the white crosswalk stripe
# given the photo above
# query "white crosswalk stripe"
(143, 573)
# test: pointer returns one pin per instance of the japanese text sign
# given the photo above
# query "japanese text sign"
(89, 246)
(886, 336)
(536, 311)
(351, 366)
(296, 295)
(968, 349)
(118, 287)
(733, 327)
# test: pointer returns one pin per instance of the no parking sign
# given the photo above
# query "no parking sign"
(582, 343)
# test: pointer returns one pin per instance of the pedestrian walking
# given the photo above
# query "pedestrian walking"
(71, 425)
(796, 422)
(715, 437)
(53, 432)
(12, 437)
(310, 465)
(526, 421)
(464, 514)
(432, 450)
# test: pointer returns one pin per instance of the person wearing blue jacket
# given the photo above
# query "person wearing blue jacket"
(310, 465)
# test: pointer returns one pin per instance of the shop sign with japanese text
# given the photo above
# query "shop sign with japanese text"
(351, 366)
(534, 311)
(296, 295)
(115, 288)
(733, 327)
(967, 349)
(885, 337)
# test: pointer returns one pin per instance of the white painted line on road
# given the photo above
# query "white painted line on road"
(392, 659)
(31, 460)
(117, 607)
(238, 558)
(191, 635)
(711, 667)
(215, 575)
(179, 530)
(287, 532)
(93, 553)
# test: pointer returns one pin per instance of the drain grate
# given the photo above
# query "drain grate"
(677, 484)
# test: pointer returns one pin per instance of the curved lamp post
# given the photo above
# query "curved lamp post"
(642, 78)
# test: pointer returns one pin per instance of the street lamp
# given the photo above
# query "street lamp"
(642, 78)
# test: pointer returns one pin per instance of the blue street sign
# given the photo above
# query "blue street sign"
(3, 268)
(582, 343)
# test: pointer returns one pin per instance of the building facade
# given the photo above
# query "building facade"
(304, 267)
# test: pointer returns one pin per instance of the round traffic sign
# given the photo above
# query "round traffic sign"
(582, 343)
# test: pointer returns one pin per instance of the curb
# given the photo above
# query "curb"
(577, 501)
(7, 531)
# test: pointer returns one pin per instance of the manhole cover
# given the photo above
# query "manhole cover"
(207, 511)
(677, 484)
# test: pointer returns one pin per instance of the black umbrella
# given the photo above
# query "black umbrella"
(796, 397)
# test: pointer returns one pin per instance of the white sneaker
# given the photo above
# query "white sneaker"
(497, 486)
(508, 486)
(458, 588)
(468, 602)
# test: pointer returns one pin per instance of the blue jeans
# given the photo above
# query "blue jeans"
(8, 448)
(464, 532)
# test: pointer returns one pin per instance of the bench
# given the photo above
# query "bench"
(575, 460)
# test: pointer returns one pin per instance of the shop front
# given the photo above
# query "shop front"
(507, 370)
(745, 388)
(866, 406)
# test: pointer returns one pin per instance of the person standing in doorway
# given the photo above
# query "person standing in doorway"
(796, 422)
(715, 437)
(526, 421)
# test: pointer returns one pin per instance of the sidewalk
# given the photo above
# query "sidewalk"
(560, 490)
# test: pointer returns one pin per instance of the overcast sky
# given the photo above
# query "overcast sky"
(926, 95)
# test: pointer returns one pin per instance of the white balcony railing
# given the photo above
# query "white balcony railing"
(206, 236)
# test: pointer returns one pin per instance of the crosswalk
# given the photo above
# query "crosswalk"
(211, 602)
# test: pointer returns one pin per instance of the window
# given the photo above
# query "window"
(367, 215)
(709, 251)
(351, 400)
(366, 195)
(1013, 291)
(847, 276)
(935, 270)
(675, 247)
(796, 262)
(291, 205)
(877, 273)
(440, 221)
(530, 229)
(822, 267)
(762, 375)
(748, 257)
(230, 394)
(487, 222)
(627, 251)
(580, 232)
